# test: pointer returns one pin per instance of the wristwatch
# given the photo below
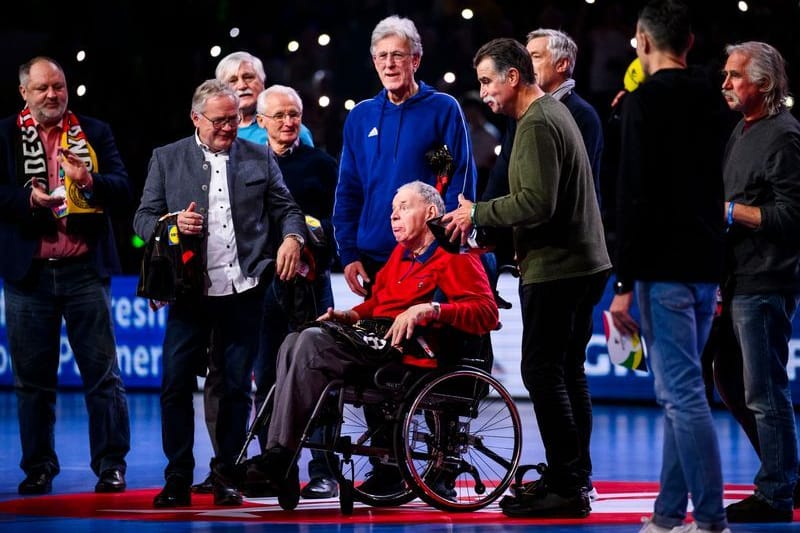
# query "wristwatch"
(296, 237)
(437, 309)
(622, 287)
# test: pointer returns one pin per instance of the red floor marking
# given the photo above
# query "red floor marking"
(619, 502)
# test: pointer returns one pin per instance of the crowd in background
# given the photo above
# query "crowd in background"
(140, 74)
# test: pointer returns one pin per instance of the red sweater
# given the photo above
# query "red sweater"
(406, 280)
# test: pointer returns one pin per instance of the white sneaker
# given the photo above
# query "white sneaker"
(694, 528)
(593, 494)
(648, 526)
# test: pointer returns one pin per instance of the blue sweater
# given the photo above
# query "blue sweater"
(383, 148)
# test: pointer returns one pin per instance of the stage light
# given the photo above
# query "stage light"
(136, 241)
(789, 102)
(743, 6)
(467, 14)
(234, 32)
(215, 51)
(633, 43)
(324, 39)
(80, 56)
(324, 101)
(449, 77)
(293, 46)
(349, 104)
(81, 90)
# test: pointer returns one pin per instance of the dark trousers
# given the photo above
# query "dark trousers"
(557, 326)
(234, 319)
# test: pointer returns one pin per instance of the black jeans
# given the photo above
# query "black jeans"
(557, 326)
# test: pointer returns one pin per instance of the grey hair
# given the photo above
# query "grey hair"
(229, 64)
(25, 68)
(428, 193)
(401, 27)
(559, 44)
(210, 89)
(767, 69)
(261, 106)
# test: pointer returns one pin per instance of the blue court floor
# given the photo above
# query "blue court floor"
(626, 446)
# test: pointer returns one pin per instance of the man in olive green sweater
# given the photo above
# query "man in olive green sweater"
(564, 265)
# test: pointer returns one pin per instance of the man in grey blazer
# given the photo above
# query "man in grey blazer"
(227, 192)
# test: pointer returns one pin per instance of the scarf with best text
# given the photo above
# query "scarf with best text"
(33, 159)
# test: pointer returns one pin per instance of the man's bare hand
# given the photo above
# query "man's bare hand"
(620, 313)
(355, 276)
(287, 259)
(404, 324)
(345, 317)
(459, 221)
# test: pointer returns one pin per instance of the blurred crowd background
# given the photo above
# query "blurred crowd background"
(142, 59)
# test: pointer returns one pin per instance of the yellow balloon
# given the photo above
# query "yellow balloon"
(634, 75)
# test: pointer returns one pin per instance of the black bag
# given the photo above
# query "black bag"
(172, 265)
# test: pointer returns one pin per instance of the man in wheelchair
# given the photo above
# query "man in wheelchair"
(404, 293)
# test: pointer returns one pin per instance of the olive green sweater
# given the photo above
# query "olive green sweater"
(552, 206)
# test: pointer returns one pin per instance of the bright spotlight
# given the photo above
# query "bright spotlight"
(742, 6)
(215, 51)
(633, 42)
(293, 46)
(324, 39)
(81, 55)
(449, 77)
(467, 14)
(234, 32)
(81, 90)
(349, 104)
(324, 101)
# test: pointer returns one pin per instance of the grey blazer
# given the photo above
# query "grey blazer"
(178, 175)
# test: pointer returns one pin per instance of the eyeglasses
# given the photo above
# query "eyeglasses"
(280, 116)
(396, 56)
(218, 123)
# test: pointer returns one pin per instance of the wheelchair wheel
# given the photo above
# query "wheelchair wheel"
(460, 440)
(355, 433)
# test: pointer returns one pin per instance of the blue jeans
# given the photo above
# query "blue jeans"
(71, 290)
(762, 324)
(235, 321)
(676, 321)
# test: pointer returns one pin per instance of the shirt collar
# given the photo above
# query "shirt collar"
(408, 255)
(205, 148)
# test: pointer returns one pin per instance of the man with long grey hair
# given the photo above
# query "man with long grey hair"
(761, 287)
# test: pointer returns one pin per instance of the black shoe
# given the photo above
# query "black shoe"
(36, 483)
(111, 480)
(176, 493)
(204, 487)
(382, 481)
(754, 509)
(225, 494)
(320, 487)
(547, 504)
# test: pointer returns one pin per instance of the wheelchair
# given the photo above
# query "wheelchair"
(451, 429)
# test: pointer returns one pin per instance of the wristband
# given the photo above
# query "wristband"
(472, 213)
(730, 214)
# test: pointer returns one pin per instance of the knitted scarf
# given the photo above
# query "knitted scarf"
(34, 159)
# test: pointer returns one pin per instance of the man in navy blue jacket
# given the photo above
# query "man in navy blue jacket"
(56, 264)
(385, 142)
